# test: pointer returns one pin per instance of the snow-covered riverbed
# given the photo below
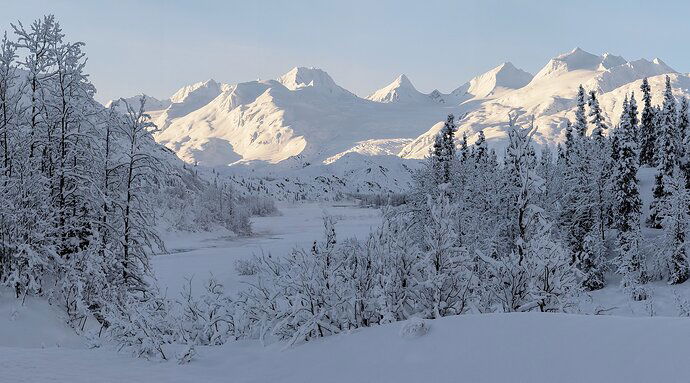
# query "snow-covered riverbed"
(201, 255)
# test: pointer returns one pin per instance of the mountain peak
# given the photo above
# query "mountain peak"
(577, 59)
(663, 65)
(610, 60)
(302, 77)
(403, 81)
(505, 75)
(400, 90)
(209, 86)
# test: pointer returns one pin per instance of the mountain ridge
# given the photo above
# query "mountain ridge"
(305, 114)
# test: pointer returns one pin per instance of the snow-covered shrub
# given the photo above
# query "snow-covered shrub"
(380, 200)
(314, 293)
(141, 324)
(397, 255)
(414, 328)
(631, 265)
(682, 304)
(208, 319)
(211, 205)
(245, 267)
(259, 206)
(507, 287)
(443, 275)
(554, 282)
(186, 355)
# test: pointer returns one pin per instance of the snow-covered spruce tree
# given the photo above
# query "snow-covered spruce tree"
(579, 218)
(597, 118)
(548, 170)
(684, 127)
(580, 126)
(464, 152)
(441, 174)
(480, 204)
(601, 167)
(445, 154)
(569, 143)
(668, 154)
(675, 256)
(683, 123)
(480, 150)
(648, 133)
(634, 119)
(628, 207)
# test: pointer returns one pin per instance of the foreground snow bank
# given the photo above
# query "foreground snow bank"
(33, 324)
(530, 347)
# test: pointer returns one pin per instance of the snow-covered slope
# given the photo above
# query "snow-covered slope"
(306, 117)
(349, 175)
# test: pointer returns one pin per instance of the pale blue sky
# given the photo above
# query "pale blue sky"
(156, 47)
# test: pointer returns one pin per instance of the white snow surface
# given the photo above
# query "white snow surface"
(530, 347)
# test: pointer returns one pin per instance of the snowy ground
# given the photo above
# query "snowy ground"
(472, 348)
(35, 346)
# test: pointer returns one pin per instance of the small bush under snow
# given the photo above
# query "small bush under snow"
(246, 267)
(414, 328)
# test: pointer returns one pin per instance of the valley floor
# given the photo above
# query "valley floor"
(628, 346)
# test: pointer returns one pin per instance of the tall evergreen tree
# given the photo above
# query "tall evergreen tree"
(444, 151)
(580, 116)
(569, 142)
(648, 134)
(684, 149)
(597, 117)
(682, 122)
(628, 206)
(480, 149)
(668, 152)
(464, 149)
(675, 256)
(634, 119)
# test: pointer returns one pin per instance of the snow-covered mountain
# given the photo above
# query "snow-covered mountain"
(307, 118)
(400, 90)
(502, 78)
